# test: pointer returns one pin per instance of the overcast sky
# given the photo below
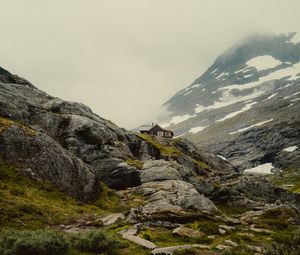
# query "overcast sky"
(126, 58)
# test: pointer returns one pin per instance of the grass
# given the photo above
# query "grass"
(290, 177)
(276, 219)
(205, 224)
(164, 150)
(29, 204)
(163, 237)
(135, 162)
(5, 123)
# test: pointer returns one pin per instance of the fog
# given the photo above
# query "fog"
(124, 59)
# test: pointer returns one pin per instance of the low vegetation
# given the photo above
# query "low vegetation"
(285, 243)
(28, 242)
(4, 123)
(288, 179)
(29, 204)
(135, 162)
(164, 150)
(45, 242)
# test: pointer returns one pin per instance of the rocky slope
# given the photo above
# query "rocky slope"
(161, 184)
(245, 107)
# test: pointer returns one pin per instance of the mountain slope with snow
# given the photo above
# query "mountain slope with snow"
(253, 85)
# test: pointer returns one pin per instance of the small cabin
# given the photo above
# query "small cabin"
(156, 130)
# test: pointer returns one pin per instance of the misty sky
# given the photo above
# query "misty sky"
(126, 58)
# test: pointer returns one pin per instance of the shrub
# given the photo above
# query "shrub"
(96, 241)
(285, 243)
(28, 242)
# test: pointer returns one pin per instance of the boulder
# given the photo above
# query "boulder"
(172, 249)
(116, 173)
(41, 158)
(159, 170)
(174, 196)
(188, 232)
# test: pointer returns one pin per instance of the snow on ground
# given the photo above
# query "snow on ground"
(290, 149)
(296, 99)
(233, 114)
(287, 85)
(292, 95)
(296, 38)
(249, 127)
(261, 169)
(195, 86)
(248, 75)
(243, 70)
(220, 75)
(290, 72)
(214, 71)
(273, 95)
(228, 99)
(199, 108)
(189, 92)
(196, 129)
(177, 119)
(290, 105)
(221, 157)
(263, 62)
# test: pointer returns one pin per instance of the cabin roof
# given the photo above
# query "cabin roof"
(149, 128)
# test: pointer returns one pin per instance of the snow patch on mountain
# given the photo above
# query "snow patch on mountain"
(290, 149)
(273, 95)
(177, 119)
(249, 127)
(287, 97)
(221, 157)
(263, 62)
(228, 99)
(288, 72)
(261, 169)
(233, 114)
(197, 129)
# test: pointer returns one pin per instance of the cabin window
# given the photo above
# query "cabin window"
(160, 133)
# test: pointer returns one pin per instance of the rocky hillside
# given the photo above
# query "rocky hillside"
(245, 107)
(57, 159)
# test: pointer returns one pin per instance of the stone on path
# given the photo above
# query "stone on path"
(112, 218)
(171, 249)
(188, 232)
(139, 241)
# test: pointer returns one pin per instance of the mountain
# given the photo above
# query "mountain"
(246, 106)
(72, 182)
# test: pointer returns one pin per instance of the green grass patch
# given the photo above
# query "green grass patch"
(163, 237)
(163, 149)
(26, 203)
(135, 162)
(276, 219)
(288, 179)
(5, 123)
(206, 224)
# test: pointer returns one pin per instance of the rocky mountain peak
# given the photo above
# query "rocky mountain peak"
(254, 84)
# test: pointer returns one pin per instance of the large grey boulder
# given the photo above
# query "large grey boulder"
(172, 196)
(159, 170)
(40, 157)
(116, 173)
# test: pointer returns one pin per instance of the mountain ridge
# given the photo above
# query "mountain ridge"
(252, 85)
